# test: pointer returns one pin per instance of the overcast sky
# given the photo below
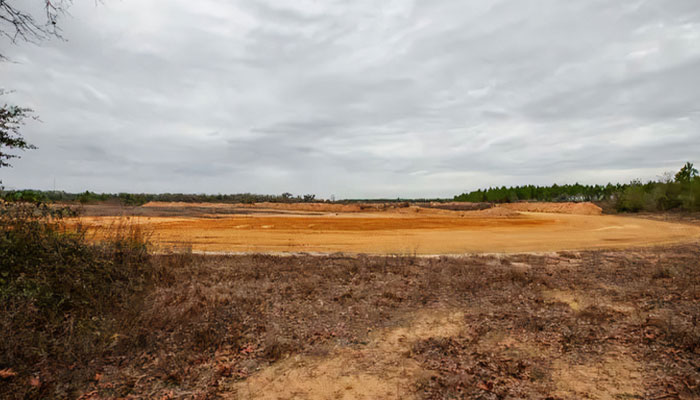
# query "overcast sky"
(357, 98)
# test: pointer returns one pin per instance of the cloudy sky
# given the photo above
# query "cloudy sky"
(357, 98)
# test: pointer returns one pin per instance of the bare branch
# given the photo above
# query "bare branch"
(17, 24)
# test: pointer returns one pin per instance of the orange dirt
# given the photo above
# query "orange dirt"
(559, 208)
(409, 230)
(329, 207)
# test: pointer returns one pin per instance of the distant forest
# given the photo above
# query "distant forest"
(137, 199)
(681, 192)
(675, 192)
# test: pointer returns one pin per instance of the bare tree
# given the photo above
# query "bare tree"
(20, 21)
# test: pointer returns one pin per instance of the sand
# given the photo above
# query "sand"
(558, 208)
(411, 230)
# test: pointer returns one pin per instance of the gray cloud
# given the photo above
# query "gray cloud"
(358, 99)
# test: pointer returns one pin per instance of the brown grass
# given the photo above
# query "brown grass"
(600, 324)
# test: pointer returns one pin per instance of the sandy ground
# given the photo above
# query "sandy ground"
(381, 370)
(407, 230)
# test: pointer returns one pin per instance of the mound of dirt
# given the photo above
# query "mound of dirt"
(456, 206)
(180, 204)
(306, 207)
(495, 212)
(266, 205)
(318, 207)
(558, 208)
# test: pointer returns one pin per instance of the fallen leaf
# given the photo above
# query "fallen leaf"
(35, 381)
(7, 373)
(88, 395)
(224, 369)
(98, 377)
(168, 396)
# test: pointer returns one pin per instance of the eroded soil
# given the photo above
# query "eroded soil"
(407, 230)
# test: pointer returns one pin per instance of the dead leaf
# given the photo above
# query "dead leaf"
(7, 373)
(34, 381)
(88, 395)
(168, 396)
(224, 369)
(98, 377)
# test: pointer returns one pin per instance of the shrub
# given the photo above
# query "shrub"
(633, 199)
(61, 296)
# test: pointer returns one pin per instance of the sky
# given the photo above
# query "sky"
(357, 99)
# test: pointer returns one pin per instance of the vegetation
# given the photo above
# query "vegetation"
(682, 193)
(18, 23)
(137, 199)
(11, 118)
(63, 297)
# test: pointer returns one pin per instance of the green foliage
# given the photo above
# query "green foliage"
(575, 192)
(11, 118)
(682, 194)
(687, 173)
(634, 198)
(690, 195)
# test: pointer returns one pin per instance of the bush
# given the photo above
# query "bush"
(665, 196)
(634, 198)
(62, 297)
(690, 195)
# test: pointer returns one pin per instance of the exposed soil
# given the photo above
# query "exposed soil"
(319, 207)
(404, 230)
(383, 368)
(559, 208)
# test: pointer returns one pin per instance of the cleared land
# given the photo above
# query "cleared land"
(597, 324)
(380, 229)
(608, 322)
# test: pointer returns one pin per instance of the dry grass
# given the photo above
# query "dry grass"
(598, 324)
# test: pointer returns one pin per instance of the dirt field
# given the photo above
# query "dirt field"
(382, 229)
(526, 318)
(596, 325)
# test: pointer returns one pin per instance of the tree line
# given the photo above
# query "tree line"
(137, 199)
(680, 191)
